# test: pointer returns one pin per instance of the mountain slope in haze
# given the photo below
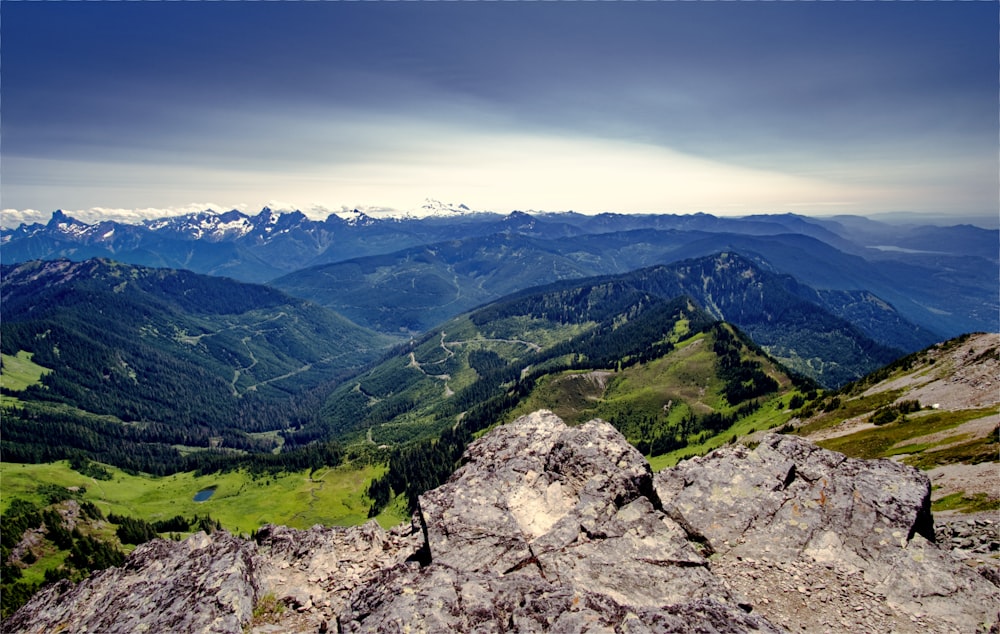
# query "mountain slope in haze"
(775, 310)
(780, 314)
(962, 239)
(175, 357)
(415, 289)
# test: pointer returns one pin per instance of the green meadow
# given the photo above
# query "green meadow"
(888, 440)
(17, 372)
(241, 502)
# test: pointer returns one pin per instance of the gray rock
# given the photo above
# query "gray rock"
(791, 501)
(203, 584)
(787, 487)
(559, 529)
(442, 599)
(551, 528)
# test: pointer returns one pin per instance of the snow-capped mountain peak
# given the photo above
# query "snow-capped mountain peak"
(66, 224)
(432, 207)
(208, 224)
(356, 218)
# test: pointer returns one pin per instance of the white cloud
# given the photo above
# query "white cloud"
(13, 217)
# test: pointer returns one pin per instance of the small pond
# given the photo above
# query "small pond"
(204, 494)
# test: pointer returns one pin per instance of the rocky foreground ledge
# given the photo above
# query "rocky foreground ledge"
(565, 529)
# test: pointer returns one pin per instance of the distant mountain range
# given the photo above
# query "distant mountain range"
(450, 258)
(415, 289)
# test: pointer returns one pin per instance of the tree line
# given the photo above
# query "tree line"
(37, 435)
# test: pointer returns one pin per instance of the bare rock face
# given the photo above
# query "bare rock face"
(547, 528)
(551, 528)
(793, 526)
(312, 573)
(204, 584)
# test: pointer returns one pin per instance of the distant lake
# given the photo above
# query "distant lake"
(204, 494)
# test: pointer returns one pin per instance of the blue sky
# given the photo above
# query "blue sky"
(674, 107)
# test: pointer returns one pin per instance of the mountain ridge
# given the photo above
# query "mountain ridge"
(419, 287)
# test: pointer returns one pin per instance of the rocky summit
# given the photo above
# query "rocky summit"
(547, 527)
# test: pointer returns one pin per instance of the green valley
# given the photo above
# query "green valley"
(242, 501)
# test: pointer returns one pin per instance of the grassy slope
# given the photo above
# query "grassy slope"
(685, 381)
(19, 371)
(895, 438)
(926, 439)
(771, 414)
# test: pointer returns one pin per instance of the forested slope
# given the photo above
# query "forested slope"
(133, 360)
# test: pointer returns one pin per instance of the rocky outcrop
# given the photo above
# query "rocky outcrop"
(313, 573)
(204, 584)
(793, 526)
(974, 535)
(551, 528)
